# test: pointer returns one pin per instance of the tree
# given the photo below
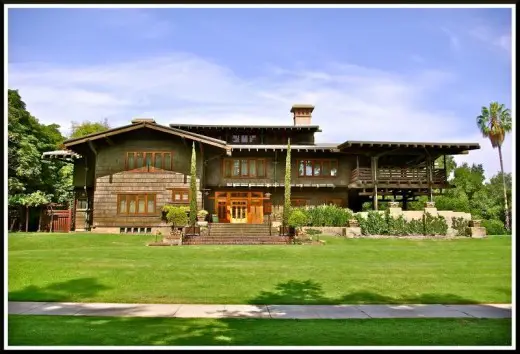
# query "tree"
(193, 187)
(27, 173)
(494, 123)
(287, 185)
(86, 128)
(34, 199)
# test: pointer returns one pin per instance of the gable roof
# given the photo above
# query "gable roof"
(135, 126)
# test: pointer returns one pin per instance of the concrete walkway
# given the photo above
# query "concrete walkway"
(261, 311)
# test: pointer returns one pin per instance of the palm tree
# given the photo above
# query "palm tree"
(494, 123)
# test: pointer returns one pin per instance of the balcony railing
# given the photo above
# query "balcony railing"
(363, 175)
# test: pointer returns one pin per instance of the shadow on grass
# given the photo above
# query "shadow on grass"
(309, 292)
(70, 290)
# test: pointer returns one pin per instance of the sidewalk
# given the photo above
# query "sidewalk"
(261, 311)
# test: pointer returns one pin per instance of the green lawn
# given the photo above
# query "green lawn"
(72, 330)
(119, 268)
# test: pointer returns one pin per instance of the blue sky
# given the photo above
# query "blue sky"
(374, 74)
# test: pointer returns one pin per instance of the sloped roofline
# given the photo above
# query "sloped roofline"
(135, 126)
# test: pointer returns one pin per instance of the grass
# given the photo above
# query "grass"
(88, 331)
(119, 268)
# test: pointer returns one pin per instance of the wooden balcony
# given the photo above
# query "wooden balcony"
(397, 177)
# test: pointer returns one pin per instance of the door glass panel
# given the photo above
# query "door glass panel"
(301, 168)
(148, 159)
(326, 168)
(308, 168)
(334, 168)
(139, 160)
(244, 168)
(236, 167)
(317, 168)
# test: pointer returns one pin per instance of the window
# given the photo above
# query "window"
(317, 168)
(154, 161)
(81, 204)
(181, 196)
(136, 204)
(330, 201)
(244, 138)
(244, 168)
(299, 202)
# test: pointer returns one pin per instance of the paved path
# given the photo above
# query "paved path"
(261, 311)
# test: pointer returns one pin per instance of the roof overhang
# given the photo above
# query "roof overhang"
(62, 155)
(441, 147)
(265, 147)
(148, 125)
(315, 128)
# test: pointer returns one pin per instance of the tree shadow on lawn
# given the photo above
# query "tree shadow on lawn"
(310, 292)
(63, 291)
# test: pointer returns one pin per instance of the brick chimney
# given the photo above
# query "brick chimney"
(143, 120)
(302, 114)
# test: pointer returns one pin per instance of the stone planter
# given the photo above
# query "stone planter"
(201, 218)
(393, 204)
(475, 223)
(429, 205)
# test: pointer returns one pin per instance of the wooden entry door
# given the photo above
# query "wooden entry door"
(238, 211)
(222, 211)
(256, 213)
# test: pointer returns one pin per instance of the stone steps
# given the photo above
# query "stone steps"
(235, 240)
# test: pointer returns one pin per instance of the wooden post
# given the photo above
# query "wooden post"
(26, 218)
(429, 176)
(374, 180)
(445, 170)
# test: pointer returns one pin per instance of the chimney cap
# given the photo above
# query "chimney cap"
(302, 106)
(143, 120)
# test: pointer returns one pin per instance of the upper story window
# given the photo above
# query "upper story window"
(244, 168)
(244, 139)
(317, 168)
(181, 196)
(149, 161)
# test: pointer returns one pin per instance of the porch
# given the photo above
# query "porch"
(366, 177)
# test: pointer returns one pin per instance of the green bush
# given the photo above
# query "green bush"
(494, 227)
(297, 218)
(314, 232)
(460, 225)
(328, 215)
(396, 226)
(415, 227)
(434, 225)
(176, 215)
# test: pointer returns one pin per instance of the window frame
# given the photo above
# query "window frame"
(332, 164)
(182, 191)
(144, 158)
(136, 197)
(229, 163)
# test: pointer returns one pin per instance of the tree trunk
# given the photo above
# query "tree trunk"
(40, 221)
(26, 219)
(506, 208)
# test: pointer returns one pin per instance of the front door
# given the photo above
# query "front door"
(222, 211)
(256, 214)
(238, 211)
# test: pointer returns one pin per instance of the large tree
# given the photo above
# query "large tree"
(28, 176)
(87, 127)
(494, 123)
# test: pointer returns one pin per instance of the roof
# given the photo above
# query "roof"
(409, 144)
(239, 126)
(315, 147)
(63, 155)
(149, 125)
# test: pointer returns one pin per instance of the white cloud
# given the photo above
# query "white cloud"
(453, 38)
(352, 102)
(495, 40)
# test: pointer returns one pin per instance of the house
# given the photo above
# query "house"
(124, 176)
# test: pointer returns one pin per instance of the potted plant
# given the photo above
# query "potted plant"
(297, 219)
(201, 215)
(176, 215)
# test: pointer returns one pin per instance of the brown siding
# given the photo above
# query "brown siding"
(112, 179)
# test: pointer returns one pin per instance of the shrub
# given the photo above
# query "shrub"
(434, 225)
(176, 215)
(494, 227)
(375, 224)
(202, 213)
(396, 226)
(297, 218)
(460, 225)
(314, 232)
(415, 227)
(328, 215)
